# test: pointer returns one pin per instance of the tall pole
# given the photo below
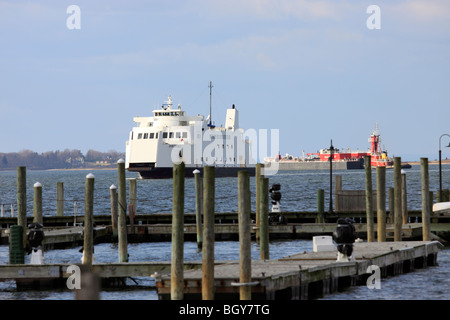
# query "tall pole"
(331, 178)
(440, 166)
(210, 103)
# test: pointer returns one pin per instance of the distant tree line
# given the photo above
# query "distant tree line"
(67, 159)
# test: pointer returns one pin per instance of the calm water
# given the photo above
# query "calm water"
(298, 194)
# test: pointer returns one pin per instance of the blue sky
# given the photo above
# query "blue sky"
(309, 68)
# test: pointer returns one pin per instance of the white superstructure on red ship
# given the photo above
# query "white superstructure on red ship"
(379, 158)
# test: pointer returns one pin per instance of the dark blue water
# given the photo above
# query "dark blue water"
(298, 194)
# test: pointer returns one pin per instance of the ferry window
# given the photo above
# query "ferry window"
(178, 135)
(140, 136)
(164, 135)
(184, 135)
(152, 135)
(156, 137)
(145, 135)
(170, 135)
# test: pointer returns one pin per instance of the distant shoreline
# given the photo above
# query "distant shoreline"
(417, 163)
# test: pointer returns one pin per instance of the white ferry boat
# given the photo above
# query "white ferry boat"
(171, 136)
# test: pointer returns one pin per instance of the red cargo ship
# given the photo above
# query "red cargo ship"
(379, 158)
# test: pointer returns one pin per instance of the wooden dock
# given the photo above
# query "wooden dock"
(306, 275)
(70, 237)
(310, 274)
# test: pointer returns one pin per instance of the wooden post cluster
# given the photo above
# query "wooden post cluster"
(397, 200)
(369, 198)
(381, 203)
(122, 203)
(177, 264)
(426, 233)
(208, 233)
(245, 261)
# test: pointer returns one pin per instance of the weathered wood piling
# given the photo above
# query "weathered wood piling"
(122, 203)
(369, 199)
(397, 199)
(425, 199)
(244, 206)
(88, 244)
(381, 203)
(177, 288)
(37, 203)
(208, 233)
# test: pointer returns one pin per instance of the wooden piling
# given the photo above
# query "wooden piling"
(337, 190)
(264, 218)
(37, 203)
(132, 200)
(88, 245)
(259, 172)
(321, 205)
(22, 197)
(122, 204)
(381, 203)
(177, 265)
(89, 285)
(114, 207)
(426, 233)
(208, 233)
(22, 201)
(60, 199)
(198, 207)
(397, 200)
(390, 218)
(404, 199)
(369, 199)
(245, 261)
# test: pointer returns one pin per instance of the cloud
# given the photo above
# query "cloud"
(279, 9)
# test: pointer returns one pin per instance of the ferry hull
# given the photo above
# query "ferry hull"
(167, 172)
